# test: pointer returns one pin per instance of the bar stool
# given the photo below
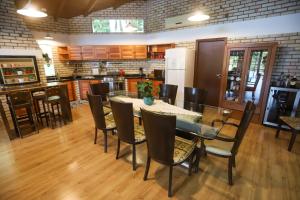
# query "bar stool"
(38, 101)
(19, 101)
(53, 99)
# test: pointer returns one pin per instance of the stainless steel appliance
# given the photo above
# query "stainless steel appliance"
(281, 102)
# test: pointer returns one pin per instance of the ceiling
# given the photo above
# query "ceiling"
(72, 8)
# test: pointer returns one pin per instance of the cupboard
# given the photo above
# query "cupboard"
(84, 87)
(74, 53)
(246, 75)
(132, 84)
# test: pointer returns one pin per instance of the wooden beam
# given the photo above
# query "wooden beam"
(90, 7)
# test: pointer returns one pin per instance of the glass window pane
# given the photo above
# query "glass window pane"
(236, 60)
(118, 25)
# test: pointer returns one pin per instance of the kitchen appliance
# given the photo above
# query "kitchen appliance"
(16, 70)
(179, 70)
(281, 102)
(159, 74)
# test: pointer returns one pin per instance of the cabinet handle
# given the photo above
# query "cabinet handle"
(219, 75)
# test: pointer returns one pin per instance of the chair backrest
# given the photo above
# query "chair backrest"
(194, 98)
(20, 98)
(167, 93)
(101, 89)
(160, 136)
(96, 106)
(123, 116)
(243, 126)
(52, 91)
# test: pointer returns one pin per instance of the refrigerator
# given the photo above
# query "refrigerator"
(18, 70)
(179, 70)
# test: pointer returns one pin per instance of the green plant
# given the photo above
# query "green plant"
(146, 88)
(47, 58)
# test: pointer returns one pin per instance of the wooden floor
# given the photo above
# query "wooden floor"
(64, 164)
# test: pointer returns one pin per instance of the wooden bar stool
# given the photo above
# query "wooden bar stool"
(38, 101)
(52, 100)
(20, 105)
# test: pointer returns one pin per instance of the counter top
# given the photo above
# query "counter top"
(8, 89)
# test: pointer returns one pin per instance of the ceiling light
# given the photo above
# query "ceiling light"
(48, 37)
(197, 17)
(31, 11)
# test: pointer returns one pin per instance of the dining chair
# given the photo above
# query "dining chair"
(101, 89)
(167, 93)
(21, 107)
(103, 121)
(194, 98)
(127, 131)
(162, 144)
(227, 147)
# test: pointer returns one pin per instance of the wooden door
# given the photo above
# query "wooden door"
(114, 52)
(74, 52)
(88, 53)
(140, 52)
(127, 52)
(208, 67)
(101, 52)
(83, 88)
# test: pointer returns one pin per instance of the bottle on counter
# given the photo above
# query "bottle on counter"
(293, 82)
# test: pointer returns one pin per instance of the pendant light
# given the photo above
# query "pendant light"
(31, 11)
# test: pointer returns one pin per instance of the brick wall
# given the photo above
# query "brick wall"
(47, 24)
(287, 56)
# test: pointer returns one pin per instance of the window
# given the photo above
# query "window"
(49, 68)
(118, 25)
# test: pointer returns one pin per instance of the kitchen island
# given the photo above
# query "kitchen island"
(5, 91)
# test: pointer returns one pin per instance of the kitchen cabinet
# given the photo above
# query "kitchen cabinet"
(63, 53)
(140, 52)
(132, 85)
(246, 75)
(84, 87)
(101, 52)
(74, 53)
(71, 90)
(88, 53)
(158, 51)
(114, 52)
(127, 52)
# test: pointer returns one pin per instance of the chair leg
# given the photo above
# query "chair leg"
(45, 112)
(140, 121)
(292, 141)
(133, 157)
(96, 133)
(170, 181)
(105, 141)
(118, 149)
(147, 168)
(191, 164)
(230, 162)
(233, 161)
(278, 131)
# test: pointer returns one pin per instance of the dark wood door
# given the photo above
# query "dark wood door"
(208, 67)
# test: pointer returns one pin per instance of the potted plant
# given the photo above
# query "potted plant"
(146, 91)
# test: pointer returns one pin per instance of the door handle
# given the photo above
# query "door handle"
(219, 75)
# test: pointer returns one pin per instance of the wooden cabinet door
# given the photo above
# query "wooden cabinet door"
(71, 91)
(84, 88)
(140, 52)
(127, 52)
(114, 52)
(101, 52)
(88, 52)
(209, 66)
(132, 84)
(156, 84)
(74, 52)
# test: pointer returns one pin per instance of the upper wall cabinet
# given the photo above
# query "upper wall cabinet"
(74, 53)
(101, 52)
(140, 52)
(127, 52)
(114, 52)
(88, 52)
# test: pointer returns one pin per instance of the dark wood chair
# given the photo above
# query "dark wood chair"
(167, 93)
(40, 106)
(127, 131)
(252, 88)
(227, 147)
(101, 89)
(194, 98)
(103, 121)
(52, 100)
(163, 146)
(21, 102)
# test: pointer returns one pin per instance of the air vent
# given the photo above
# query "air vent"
(179, 21)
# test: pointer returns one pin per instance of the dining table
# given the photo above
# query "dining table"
(200, 124)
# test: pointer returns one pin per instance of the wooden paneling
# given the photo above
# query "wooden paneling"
(88, 52)
(74, 52)
(132, 84)
(101, 52)
(127, 52)
(140, 52)
(71, 91)
(208, 67)
(114, 52)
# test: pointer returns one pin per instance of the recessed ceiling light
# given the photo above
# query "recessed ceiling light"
(31, 11)
(197, 17)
